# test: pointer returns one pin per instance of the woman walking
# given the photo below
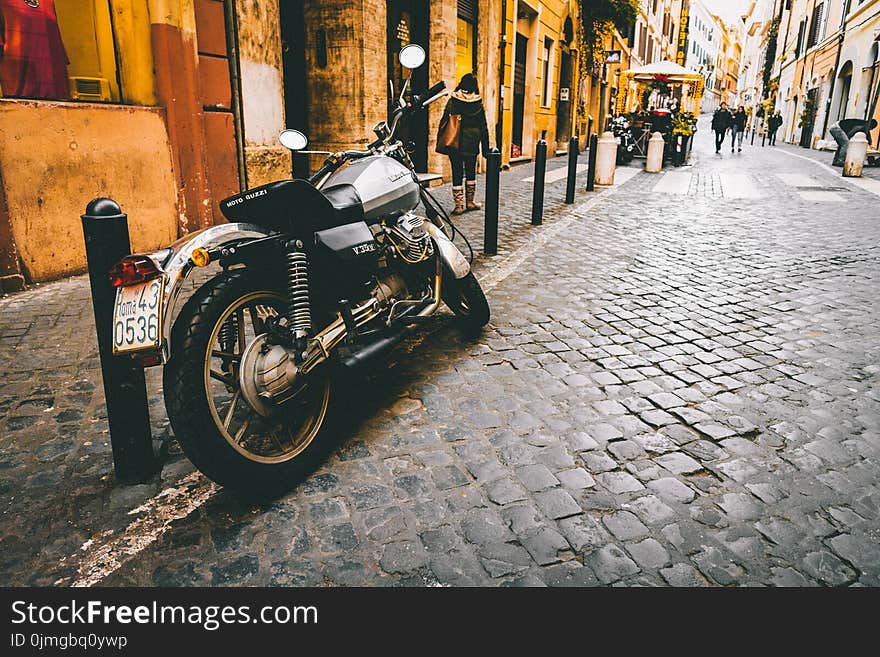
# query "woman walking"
(773, 125)
(721, 121)
(738, 128)
(462, 148)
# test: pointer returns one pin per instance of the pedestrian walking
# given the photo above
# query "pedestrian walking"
(773, 125)
(462, 135)
(721, 121)
(738, 129)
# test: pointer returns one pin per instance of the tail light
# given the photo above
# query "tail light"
(133, 269)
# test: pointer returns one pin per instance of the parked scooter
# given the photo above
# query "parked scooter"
(318, 276)
(622, 131)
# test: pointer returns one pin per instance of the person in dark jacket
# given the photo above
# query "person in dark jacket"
(738, 128)
(473, 137)
(721, 122)
(773, 124)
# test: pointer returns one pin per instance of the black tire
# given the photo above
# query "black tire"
(466, 299)
(194, 413)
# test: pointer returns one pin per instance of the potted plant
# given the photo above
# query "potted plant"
(684, 125)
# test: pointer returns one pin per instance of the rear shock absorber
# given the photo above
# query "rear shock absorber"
(299, 315)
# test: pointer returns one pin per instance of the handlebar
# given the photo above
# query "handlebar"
(337, 159)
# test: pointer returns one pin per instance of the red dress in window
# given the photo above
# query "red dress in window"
(33, 62)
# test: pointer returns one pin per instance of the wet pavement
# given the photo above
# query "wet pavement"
(678, 387)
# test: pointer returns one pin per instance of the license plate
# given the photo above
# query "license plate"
(137, 316)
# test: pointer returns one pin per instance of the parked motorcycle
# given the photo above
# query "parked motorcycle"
(622, 131)
(318, 276)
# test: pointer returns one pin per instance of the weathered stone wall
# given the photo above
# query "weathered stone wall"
(262, 90)
(47, 183)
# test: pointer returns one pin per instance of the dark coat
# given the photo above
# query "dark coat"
(739, 120)
(774, 123)
(721, 120)
(474, 134)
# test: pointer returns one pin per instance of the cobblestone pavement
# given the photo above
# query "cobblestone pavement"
(678, 387)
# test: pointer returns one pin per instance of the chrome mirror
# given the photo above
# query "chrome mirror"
(411, 56)
(293, 139)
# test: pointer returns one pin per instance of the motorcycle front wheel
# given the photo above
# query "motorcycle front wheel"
(217, 429)
(466, 299)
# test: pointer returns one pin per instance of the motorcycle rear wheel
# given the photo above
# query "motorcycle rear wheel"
(218, 431)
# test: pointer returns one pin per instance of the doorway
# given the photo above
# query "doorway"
(519, 95)
(407, 22)
(293, 61)
(563, 102)
(810, 103)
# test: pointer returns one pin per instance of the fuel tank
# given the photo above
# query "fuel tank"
(384, 185)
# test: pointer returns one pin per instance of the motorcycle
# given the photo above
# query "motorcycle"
(317, 277)
(621, 129)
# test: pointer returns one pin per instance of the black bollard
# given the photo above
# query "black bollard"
(490, 226)
(538, 189)
(105, 229)
(591, 163)
(572, 169)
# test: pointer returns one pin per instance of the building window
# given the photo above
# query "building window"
(816, 25)
(321, 48)
(57, 50)
(466, 38)
(547, 72)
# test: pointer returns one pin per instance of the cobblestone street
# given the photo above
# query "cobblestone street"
(679, 386)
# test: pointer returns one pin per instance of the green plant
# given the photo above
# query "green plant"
(770, 55)
(808, 114)
(684, 124)
(599, 18)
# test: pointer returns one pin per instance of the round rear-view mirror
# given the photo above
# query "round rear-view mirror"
(411, 56)
(293, 139)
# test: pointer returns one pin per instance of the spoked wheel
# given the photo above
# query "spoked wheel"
(466, 299)
(236, 445)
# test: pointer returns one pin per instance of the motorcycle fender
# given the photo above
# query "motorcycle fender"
(178, 264)
(448, 252)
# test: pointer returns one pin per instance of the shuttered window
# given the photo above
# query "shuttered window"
(816, 25)
(467, 10)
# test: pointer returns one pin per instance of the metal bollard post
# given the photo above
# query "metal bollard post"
(572, 169)
(591, 163)
(490, 225)
(538, 189)
(105, 229)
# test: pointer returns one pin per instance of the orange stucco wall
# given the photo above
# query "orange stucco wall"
(56, 157)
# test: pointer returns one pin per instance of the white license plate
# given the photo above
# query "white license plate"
(137, 316)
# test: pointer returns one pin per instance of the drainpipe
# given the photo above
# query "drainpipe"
(499, 122)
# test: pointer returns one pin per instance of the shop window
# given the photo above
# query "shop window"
(57, 50)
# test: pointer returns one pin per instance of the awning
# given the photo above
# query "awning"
(670, 72)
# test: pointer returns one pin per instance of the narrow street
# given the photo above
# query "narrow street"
(679, 386)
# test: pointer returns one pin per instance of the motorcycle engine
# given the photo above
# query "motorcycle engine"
(410, 239)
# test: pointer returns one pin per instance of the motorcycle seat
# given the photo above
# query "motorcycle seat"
(294, 206)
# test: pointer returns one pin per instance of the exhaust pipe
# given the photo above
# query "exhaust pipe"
(374, 349)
